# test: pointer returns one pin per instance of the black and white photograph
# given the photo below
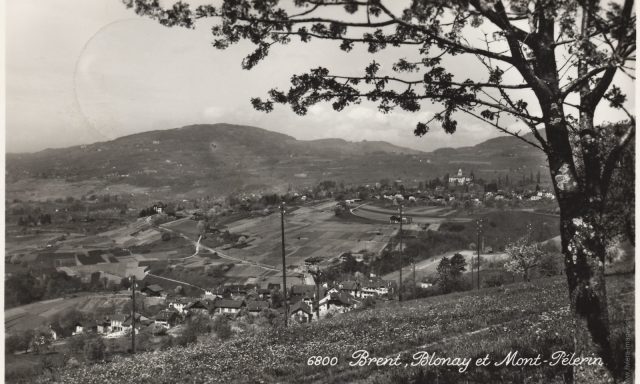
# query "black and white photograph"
(319, 191)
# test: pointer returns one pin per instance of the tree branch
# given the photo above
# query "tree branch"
(614, 156)
(502, 129)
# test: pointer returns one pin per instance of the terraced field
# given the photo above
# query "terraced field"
(420, 215)
(311, 231)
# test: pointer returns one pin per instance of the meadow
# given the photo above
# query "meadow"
(531, 318)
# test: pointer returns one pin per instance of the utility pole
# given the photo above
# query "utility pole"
(401, 259)
(479, 230)
(414, 278)
(284, 267)
(317, 279)
(133, 314)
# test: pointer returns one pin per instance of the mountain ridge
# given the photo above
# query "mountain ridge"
(224, 158)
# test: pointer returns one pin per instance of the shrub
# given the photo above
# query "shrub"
(493, 280)
(222, 328)
(166, 236)
(368, 302)
(94, 349)
(452, 227)
(18, 342)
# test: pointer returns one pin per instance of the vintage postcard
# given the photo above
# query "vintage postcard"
(320, 191)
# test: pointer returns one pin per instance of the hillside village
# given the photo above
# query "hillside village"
(306, 303)
(200, 264)
(210, 266)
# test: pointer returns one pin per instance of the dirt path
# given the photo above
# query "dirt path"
(212, 250)
(174, 281)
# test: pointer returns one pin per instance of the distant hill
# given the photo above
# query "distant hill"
(222, 158)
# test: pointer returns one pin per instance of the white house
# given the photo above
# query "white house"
(117, 323)
(336, 303)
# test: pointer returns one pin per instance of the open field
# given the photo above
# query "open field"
(311, 231)
(529, 317)
(420, 215)
(38, 314)
(428, 267)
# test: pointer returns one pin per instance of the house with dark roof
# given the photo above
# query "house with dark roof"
(167, 318)
(199, 306)
(301, 312)
(85, 327)
(302, 290)
(273, 287)
(264, 293)
(254, 307)
(228, 306)
(306, 293)
(350, 287)
(141, 320)
(153, 290)
(337, 303)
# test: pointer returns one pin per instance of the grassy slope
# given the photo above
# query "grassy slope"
(530, 317)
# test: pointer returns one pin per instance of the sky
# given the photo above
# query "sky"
(82, 71)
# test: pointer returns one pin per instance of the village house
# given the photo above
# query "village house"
(202, 307)
(254, 307)
(336, 303)
(305, 293)
(179, 304)
(350, 287)
(264, 293)
(300, 312)
(235, 292)
(153, 290)
(140, 321)
(167, 318)
(103, 326)
(53, 334)
(84, 327)
(117, 323)
(273, 287)
(227, 306)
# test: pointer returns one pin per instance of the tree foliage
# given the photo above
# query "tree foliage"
(449, 272)
(523, 257)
